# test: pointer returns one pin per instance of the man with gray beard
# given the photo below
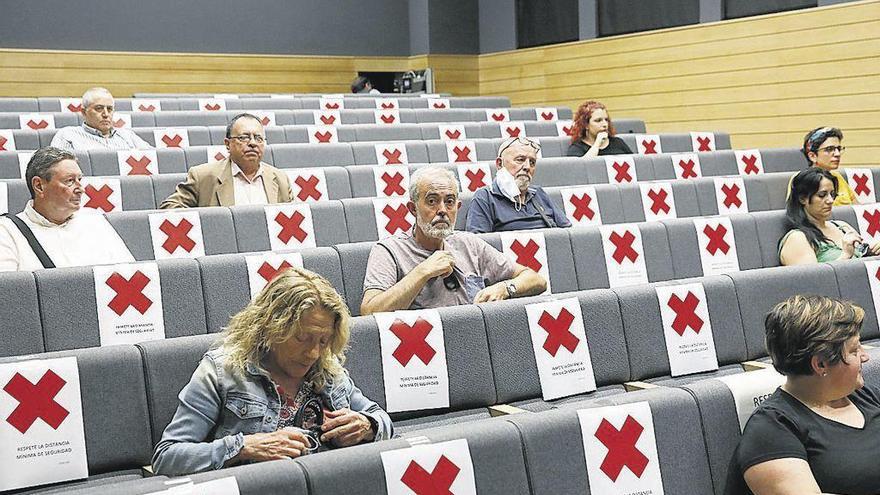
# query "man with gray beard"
(435, 266)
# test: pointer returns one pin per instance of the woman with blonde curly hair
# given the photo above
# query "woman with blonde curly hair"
(273, 386)
(592, 133)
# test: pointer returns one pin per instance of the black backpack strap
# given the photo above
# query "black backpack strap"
(36, 247)
(393, 259)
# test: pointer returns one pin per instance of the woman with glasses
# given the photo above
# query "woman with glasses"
(813, 236)
(273, 385)
(592, 133)
(822, 149)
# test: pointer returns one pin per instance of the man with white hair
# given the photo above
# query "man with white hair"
(97, 131)
(434, 265)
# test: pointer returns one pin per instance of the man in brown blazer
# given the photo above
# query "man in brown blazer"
(240, 179)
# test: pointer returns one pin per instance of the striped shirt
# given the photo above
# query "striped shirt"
(84, 137)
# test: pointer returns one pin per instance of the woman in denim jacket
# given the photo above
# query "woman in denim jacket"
(244, 403)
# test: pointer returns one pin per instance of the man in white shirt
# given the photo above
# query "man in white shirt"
(241, 179)
(68, 237)
(97, 131)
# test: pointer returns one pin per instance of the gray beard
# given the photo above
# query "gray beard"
(435, 232)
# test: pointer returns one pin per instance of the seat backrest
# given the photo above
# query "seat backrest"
(559, 256)
(611, 208)
(353, 260)
(312, 155)
(629, 126)
(783, 160)
(21, 332)
(252, 227)
(770, 226)
(854, 285)
(218, 233)
(17, 195)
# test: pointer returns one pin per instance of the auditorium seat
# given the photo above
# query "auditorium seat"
(783, 159)
(560, 257)
(771, 226)
(853, 283)
(365, 153)
(353, 260)
(252, 231)
(21, 332)
(685, 248)
(218, 232)
(21, 105)
(106, 162)
(611, 208)
(312, 155)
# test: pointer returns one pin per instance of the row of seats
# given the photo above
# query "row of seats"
(282, 102)
(36, 121)
(57, 309)
(491, 361)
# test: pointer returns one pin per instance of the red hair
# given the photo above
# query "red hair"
(581, 120)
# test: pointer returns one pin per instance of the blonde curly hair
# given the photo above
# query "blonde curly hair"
(273, 317)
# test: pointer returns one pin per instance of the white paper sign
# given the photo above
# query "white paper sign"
(750, 389)
(129, 303)
(717, 246)
(70, 105)
(512, 129)
(212, 104)
(4, 198)
(264, 267)
(386, 103)
(624, 255)
(730, 194)
(581, 206)
(322, 134)
(621, 169)
(290, 226)
(171, 138)
(267, 117)
(176, 234)
(100, 195)
(861, 181)
(620, 449)
(438, 103)
(7, 140)
(392, 180)
(462, 151)
(226, 96)
(444, 467)
(391, 154)
(560, 345)
(687, 329)
(868, 217)
(414, 364)
(121, 120)
(474, 176)
(145, 105)
(216, 153)
(702, 141)
(36, 121)
(387, 116)
(749, 162)
(137, 162)
(327, 117)
(546, 113)
(42, 439)
(563, 128)
(687, 166)
(528, 249)
(23, 158)
(309, 185)
(658, 201)
(392, 216)
(648, 144)
(451, 132)
(497, 115)
(331, 103)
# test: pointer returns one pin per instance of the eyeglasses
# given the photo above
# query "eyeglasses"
(246, 138)
(832, 149)
(520, 140)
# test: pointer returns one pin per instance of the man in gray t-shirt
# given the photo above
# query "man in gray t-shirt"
(435, 266)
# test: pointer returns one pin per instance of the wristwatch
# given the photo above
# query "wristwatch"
(511, 290)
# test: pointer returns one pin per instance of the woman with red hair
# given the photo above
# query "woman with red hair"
(592, 133)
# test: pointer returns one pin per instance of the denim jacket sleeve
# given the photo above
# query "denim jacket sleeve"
(183, 448)
(344, 393)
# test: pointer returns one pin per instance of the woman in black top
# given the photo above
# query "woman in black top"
(820, 431)
(592, 133)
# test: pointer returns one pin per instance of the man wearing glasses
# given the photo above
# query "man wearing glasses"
(97, 131)
(434, 265)
(510, 202)
(241, 179)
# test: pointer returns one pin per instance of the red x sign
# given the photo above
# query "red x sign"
(3, 142)
(392, 157)
(750, 162)
(658, 200)
(327, 119)
(119, 123)
(623, 246)
(622, 450)
(178, 236)
(861, 181)
(331, 106)
(323, 137)
(36, 401)
(139, 167)
(393, 185)
(387, 106)
(650, 146)
(525, 254)
(129, 292)
(476, 179)
(512, 131)
(873, 219)
(498, 117)
(548, 116)
(704, 143)
(412, 341)
(396, 219)
(308, 188)
(621, 172)
(99, 199)
(36, 125)
(687, 168)
(269, 272)
(439, 104)
(74, 108)
(146, 108)
(290, 226)
(716, 239)
(558, 334)
(685, 313)
(731, 195)
(437, 482)
(387, 118)
(172, 141)
(453, 134)
(212, 107)
(582, 206)
(462, 153)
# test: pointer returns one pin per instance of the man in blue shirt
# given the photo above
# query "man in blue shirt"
(510, 203)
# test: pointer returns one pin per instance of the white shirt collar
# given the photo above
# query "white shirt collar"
(236, 171)
(35, 216)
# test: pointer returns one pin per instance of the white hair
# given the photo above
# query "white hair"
(426, 173)
(89, 96)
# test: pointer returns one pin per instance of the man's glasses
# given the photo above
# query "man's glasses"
(246, 138)
(520, 140)
(832, 149)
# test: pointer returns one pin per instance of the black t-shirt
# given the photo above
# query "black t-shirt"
(616, 146)
(843, 459)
